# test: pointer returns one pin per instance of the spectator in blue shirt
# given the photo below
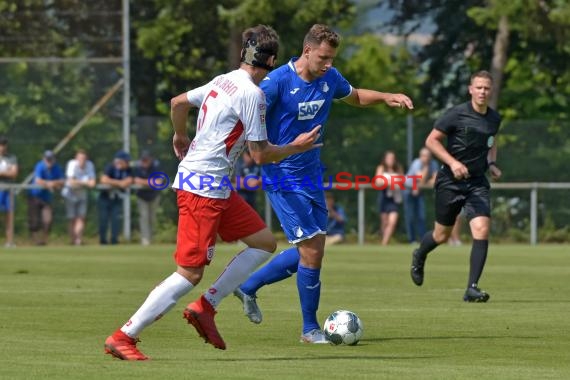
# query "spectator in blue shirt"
(49, 175)
(335, 221)
(414, 203)
(118, 176)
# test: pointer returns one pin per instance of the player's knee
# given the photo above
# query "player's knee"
(192, 274)
(480, 231)
(440, 236)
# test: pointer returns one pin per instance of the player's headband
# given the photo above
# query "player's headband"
(253, 55)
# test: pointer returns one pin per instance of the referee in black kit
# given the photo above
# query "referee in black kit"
(470, 130)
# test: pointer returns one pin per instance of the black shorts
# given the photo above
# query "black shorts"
(451, 196)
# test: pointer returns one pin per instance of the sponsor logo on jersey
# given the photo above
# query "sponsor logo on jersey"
(210, 253)
(490, 141)
(294, 91)
(308, 110)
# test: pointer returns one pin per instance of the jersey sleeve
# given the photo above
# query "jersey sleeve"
(447, 122)
(253, 116)
(197, 95)
(342, 88)
(270, 87)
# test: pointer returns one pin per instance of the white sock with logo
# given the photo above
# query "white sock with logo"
(159, 302)
(236, 272)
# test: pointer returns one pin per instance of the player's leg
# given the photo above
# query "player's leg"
(9, 208)
(311, 252)
(241, 222)
(292, 210)
(198, 219)
(478, 211)
(449, 200)
(309, 287)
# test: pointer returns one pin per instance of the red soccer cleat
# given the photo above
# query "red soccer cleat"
(200, 314)
(123, 347)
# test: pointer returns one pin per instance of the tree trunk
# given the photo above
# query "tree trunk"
(500, 55)
(234, 48)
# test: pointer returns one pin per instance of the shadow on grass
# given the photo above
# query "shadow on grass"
(384, 339)
(319, 357)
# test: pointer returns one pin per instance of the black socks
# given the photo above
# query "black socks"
(426, 245)
(478, 258)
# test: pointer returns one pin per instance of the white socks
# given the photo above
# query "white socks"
(236, 272)
(159, 302)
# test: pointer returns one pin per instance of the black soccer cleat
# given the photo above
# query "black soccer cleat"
(417, 270)
(474, 294)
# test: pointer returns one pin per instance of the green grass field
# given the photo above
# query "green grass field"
(59, 303)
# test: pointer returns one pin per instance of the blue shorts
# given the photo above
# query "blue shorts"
(302, 214)
(5, 205)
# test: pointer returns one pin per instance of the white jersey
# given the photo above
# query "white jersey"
(232, 111)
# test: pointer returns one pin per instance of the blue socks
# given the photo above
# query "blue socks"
(283, 265)
(309, 287)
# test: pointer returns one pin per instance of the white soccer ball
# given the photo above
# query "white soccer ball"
(343, 327)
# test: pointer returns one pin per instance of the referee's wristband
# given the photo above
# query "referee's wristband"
(491, 163)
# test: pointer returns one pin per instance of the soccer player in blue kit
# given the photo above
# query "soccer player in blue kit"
(299, 96)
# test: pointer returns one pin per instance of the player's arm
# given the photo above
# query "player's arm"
(491, 159)
(179, 107)
(11, 172)
(263, 152)
(361, 97)
(434, 143)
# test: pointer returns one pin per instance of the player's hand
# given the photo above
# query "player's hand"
(306, 141)
(495, 172)
(459, 170)
(400, 100)
(181, 144)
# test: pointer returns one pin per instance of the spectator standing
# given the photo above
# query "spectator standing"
(390, 198)
(335, 221)
(118, 176)
(79, 178)
(414, 204)
(8, 173)
(49, 175)
(147, 197)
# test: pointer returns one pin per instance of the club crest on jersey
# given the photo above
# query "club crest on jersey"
(490, 141)
(308, 110)
(324, 86)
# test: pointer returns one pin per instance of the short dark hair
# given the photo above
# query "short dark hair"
(3, 140)
(258, 44)
(320, 33)
(481, 74)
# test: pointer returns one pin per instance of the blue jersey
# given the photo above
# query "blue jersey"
(293, 107)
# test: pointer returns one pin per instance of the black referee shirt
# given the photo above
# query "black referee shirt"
(470, 135)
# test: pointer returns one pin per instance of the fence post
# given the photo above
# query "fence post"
(361, 226)
(11, 212)
(533, 213)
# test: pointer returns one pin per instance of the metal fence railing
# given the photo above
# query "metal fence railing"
(532, 187)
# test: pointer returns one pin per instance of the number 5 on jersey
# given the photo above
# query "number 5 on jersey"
(200, 123)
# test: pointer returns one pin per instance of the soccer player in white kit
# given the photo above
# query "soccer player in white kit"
(231, 113)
